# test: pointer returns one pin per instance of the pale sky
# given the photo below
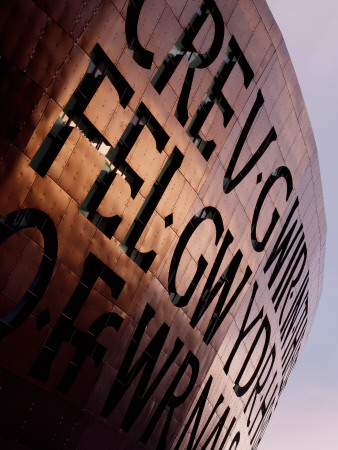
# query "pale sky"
(306, 417)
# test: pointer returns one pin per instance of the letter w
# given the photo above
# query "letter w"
(147, 361)
(225, 280)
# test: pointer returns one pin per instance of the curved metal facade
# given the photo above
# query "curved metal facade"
(163, 226)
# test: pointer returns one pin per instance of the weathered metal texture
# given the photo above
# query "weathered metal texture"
(163, 226)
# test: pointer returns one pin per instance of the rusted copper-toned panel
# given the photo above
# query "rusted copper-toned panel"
(31, 21)
(69, 76)
(13, 118)
(53, 46)
(162, 231)
(105, 18)
(74, 179)
(35, 138)
(16, 180)
(42, 192)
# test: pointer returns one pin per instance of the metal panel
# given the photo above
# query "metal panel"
(160, 184)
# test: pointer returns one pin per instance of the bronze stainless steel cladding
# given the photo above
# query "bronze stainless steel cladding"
(162, 230)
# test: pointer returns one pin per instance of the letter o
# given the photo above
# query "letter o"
(11, 224)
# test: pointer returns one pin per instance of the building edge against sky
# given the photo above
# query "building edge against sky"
(163, 226)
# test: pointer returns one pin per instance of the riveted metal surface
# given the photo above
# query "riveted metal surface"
(50, 113)
(150, 16)
(161, 107)
(40, 195)
(242, 21)
(201, 83)
(31, 22)
(160, 184)
(88, 12)
(103, 105)
(9, 358)
(16, 180)
(10, 251)
(74, 179)
(49, 54)
(111, 31)
(69, 76)
(14, 80)
(65, 13)
(61, 287)
(28, 264)
(146, 160)
(80, 237)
